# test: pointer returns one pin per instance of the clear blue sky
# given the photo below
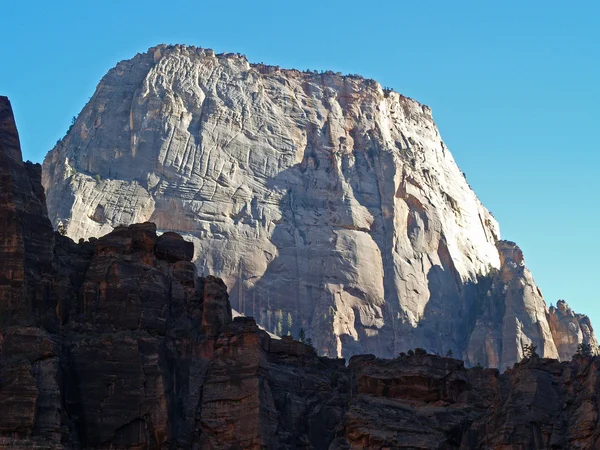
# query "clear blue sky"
(514, 87)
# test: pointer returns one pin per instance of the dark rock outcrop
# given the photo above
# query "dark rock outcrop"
(26, 235)
(432, 402)
(117, 343)
(29, 363)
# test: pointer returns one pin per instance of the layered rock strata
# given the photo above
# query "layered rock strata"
(138, 352)
(325, 202)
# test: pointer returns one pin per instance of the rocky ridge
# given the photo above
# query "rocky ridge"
(325, 203)
(117, 343)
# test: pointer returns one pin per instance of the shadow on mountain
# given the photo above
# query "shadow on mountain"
(317, 281)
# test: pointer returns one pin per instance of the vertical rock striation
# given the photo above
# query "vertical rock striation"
(325, 203)
(29, 384)
(26, 234)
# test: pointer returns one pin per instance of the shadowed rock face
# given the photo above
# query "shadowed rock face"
(324, 202)
(138, 352)
(26, 235)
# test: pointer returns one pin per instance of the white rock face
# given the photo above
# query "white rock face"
(324, 202)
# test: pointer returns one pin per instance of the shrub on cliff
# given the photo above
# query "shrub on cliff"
(584, 350)
(529, 351)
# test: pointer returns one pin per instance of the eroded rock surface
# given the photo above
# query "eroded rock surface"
(126, 347)
(26, 234)
(570, 329)
(323, 201)
(432, 402)
(29, 388)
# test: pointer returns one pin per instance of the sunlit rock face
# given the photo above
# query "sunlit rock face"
(509, 314)
(117, 343)
(324, 202)
(570, 329)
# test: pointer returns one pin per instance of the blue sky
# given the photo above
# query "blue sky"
(514, 87)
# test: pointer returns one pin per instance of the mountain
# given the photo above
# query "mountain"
(326, 203)
(117, 343)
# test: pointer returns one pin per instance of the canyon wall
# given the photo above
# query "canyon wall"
(117, 342)
(324, 202)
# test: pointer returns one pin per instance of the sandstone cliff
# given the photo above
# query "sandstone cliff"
(323, 201)
(570, 329)
(117, 343)
(26, 234)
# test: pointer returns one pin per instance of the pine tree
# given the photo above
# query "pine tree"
(529, 351)
(279, 315)
(584, 350)
(62, 230)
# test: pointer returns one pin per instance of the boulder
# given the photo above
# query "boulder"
(172, 248)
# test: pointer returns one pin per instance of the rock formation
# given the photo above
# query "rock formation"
(26, 234)
(570, 330)
(117, 343)
(508, 302)
(323, 201)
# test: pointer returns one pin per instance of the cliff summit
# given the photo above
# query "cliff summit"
(325, 203)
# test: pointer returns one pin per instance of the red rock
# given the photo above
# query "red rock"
(172, 248)
(26, 235)
(117, 343)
